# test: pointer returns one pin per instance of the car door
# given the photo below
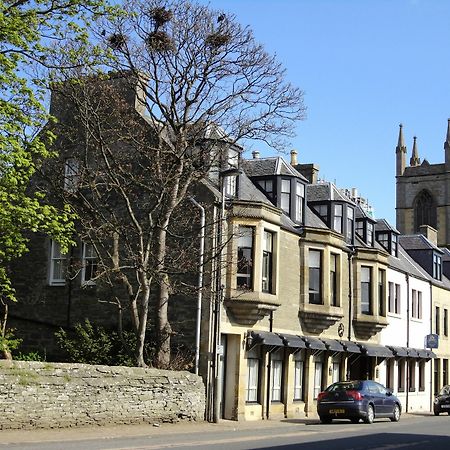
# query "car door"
(375, 396)
(388, 401)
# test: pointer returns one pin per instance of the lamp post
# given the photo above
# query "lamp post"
(217, 348)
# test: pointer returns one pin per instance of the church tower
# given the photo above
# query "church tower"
(423, 191)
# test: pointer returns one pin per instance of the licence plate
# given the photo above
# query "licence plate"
(338, 411)
(445, 406)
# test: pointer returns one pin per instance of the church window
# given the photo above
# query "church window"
(424, 210)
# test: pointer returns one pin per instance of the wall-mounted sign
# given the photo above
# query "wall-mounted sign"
(431, 341)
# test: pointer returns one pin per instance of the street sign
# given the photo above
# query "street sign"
(431, 341)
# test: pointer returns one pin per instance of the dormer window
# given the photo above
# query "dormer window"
(322, 211)
(350, 223)
(437, 267)
(389, 241)
(299, 201)
(364, 229)
(286, 196)
(267, 187)
(337, 222)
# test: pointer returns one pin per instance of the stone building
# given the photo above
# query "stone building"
(299, 297)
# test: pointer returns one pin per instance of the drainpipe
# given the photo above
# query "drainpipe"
(269, 366)
(200, 281)
(408, 380)
(350, 303)
(431, 359)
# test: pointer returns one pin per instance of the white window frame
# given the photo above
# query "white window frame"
(252, 387)
(277, 377)
(299, 365)
(318, 371)
(85, 263)
(57, 276)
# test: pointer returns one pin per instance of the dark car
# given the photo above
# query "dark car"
(442, 401)
(355, 400)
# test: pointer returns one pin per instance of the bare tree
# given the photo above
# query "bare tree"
(203, 85)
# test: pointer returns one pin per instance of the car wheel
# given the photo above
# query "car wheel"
(448, 413)
(325, 419)
(370, 415)
(395, 414)
(355, 419)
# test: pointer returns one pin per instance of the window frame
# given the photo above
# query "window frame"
(71, 174)
(267, 262)
(252, 387)
(334, 288)
(88, 261)
(56, 258)
(276, 379)
(299, 372)
(366, 288)
(285, 195)
(249, 273)
(312, 292)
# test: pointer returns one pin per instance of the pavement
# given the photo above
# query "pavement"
(155, 429)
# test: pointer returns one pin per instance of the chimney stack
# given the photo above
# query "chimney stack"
(429, 232)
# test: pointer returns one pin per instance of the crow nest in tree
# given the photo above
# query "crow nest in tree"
(159, 41)
(160, 16)
(116, 41)
(218, 39)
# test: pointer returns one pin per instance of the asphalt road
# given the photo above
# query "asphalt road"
(412, 432)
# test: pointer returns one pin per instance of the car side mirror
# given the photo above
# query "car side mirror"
(388, 393)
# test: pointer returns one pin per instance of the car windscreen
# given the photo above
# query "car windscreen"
(445, 390)
(349, 386)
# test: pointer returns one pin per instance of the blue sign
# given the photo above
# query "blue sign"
(431, 341)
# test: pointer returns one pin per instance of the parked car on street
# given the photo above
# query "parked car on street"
(442, 401)
(355, 400)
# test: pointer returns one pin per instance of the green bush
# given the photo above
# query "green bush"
(93, 344)
(30, 356)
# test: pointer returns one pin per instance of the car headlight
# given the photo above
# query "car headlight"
(436, 400)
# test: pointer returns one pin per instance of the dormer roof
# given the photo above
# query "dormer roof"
(261, 167)
(417, 242)
(384, 225)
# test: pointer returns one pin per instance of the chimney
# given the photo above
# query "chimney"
(309, 171)
(294, 161)
(429, 232)
(255, 154)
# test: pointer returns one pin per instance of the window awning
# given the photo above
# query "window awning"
(379, 351)
(424, 353)
(399, 351)
(333, 345)
(292, 341)
(265, 338)
(350, 347)
(314, 343)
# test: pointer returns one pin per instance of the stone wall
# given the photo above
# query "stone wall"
(53, 395)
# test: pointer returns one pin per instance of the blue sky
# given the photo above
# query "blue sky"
(365, 66)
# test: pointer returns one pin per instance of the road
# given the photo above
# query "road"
(412, 432)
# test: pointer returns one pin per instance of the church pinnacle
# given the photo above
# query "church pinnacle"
(447, 140)
(400, 151)
(415, 160)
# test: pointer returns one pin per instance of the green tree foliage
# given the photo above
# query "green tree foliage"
(29, 31)
(93, 344)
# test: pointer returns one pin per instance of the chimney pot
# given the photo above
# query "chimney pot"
(255, 154)
(294, 161)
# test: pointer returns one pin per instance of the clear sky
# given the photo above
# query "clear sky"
(365, 66)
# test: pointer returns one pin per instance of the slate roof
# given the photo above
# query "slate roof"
(259, 167)
(248, 191)
(405, 263)
(424, 169)
(384, 225)
(417, 242)
(326, 191)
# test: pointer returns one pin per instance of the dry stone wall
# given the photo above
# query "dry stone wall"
(52, 395)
